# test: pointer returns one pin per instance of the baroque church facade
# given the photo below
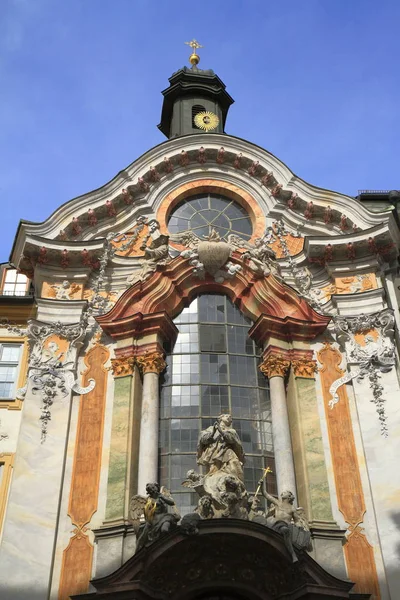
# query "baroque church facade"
(209, 323)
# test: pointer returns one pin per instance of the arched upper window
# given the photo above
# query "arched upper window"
(196, 109)
(212, 369)
(205, 212)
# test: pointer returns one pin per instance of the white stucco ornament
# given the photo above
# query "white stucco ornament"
(375, 355)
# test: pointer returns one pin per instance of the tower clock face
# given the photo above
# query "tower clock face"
(206, 120)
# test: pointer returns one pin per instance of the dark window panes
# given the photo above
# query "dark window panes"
(185, 401)
(204, 379)
(214, 400)
(199, 203)
(163, 440)
(165, 402)
(241, 226)
(214, 368)
(180, 465)
(219, 204)
(201, 232)
(212, 309)
(265, 404)
(239, 341)
(267, 441)
(233, 315)
(212, 338)
(244, 402)
(242, 370)
(185, 210)
(184, 435)
(211, 211)
(164, 470)
(220, 221)
(251, 435)
(253, 470)
(235, 211)
(198, 221)
(209, 214)
(185, 502)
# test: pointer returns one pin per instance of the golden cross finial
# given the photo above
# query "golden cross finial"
(194, 58)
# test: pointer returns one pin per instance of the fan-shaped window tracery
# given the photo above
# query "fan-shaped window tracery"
(205, 212)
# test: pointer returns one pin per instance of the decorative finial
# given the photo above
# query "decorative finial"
(194, 58)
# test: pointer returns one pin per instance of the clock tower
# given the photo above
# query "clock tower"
(196, 100)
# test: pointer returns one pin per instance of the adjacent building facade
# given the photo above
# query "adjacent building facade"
(204, 279)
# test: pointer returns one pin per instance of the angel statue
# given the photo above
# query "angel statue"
(287, 520)
(157, 518)
(220, 449)
(261, 258)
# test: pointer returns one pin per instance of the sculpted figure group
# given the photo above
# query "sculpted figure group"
(222, 494)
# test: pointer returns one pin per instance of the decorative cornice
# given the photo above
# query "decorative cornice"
(304, 367)
(149, 306)
(121, 367)
(137, 190)
(151, 363)
(139, 325)
(275, 365)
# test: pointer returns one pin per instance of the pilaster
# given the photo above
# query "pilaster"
(29, 531)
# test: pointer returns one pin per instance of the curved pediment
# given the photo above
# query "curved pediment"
(173, 286)
(139, 190)
(226, 556)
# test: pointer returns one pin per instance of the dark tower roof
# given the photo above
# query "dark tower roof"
(190, 87)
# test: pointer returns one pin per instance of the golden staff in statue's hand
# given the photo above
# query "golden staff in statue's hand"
(267, 470)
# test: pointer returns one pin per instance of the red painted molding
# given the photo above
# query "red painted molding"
(150, 306)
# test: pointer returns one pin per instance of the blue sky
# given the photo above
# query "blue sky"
(315, 82)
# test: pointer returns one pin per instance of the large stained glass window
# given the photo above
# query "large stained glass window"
(201, 214)
(212, 369)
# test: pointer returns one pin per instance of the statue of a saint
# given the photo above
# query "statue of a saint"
(220, 449)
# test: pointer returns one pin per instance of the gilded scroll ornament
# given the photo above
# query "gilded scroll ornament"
(153, 362)
(304, 367)
(121, 367)
(274, 366)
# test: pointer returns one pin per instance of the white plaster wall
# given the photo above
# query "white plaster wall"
(382, 464)
(369, 524)
(65, 527)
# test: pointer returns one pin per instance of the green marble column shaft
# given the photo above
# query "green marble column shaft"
(309, 458)
(122, 473)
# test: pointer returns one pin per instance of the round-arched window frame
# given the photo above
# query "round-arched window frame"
(205, 212)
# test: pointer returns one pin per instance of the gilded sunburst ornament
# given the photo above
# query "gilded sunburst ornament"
(206, 120)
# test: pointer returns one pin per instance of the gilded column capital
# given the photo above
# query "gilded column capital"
(153, 362)
(121, 367)
(304, 367)
(275, 365)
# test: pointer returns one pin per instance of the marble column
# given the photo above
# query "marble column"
(275, 368)
(151, 365)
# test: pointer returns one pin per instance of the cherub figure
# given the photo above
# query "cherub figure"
(205, 508)
(157, 518)
(65, 291)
